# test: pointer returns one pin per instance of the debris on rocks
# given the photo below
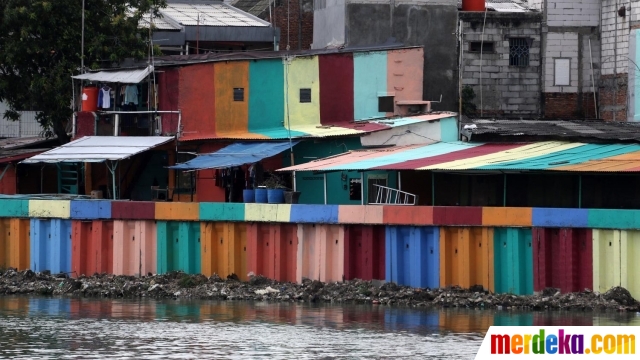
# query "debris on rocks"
(259, 288)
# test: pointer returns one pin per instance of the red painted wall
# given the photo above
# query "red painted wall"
(562, 258)
(197, 99)
(168, 98)
(336, 88)
(8, 182)
(85, 124)
(206, 189)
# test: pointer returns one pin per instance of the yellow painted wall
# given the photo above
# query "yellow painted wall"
(60, 209)
(231, 116)
(303, 72)
(629, 264)
(606, 259)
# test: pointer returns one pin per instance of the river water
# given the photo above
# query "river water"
(98, 329)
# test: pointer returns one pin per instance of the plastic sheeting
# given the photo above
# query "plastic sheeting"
(235, 155)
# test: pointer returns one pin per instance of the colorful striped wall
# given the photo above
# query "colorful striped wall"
(344, 87)
(505, 250)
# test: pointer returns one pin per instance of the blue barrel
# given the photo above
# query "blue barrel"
(248, 195)
(275, 196)
(261, 196)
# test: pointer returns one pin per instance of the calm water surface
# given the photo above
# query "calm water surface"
(85, 329)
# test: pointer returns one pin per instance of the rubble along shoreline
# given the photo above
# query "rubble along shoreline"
(178, 285)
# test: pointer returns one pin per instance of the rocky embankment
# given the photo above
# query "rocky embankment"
(258, 288)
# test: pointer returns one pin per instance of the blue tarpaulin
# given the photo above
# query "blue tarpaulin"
(235, 155)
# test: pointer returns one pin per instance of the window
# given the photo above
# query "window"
(186, 180)
(305, 95)
(519, 51)
(238, 94)
(355, 189)
(562, 71)
(385, 104)
(486, 47)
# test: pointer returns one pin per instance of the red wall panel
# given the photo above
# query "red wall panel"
(562, 258)
(197, 100)
(364, 252)
(8, 182)
(457, 215)
(130, 210)
(272, 250)
(336, 88)
(168, 98)
(85, 124)
(92, 247)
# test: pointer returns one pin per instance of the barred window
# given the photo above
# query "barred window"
(519, 51)
(305, 95)
(238, 94)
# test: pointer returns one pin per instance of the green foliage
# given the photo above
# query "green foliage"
(40, 49)
(468, 107)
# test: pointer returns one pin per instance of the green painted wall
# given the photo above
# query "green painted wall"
(311, 185)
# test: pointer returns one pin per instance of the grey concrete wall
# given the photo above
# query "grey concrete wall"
(506, 91)
(328, 23)
(414, 24)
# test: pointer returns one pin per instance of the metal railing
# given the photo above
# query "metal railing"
(389, 196)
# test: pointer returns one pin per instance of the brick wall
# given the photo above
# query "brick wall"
(502, 90)
(288, 16)
(569, 106)
(613, 97)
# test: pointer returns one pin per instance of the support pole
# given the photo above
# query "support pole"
(579, 191)
(324, 176)
(362, 188)
(433, 188)
(112, 170)
(504, 194)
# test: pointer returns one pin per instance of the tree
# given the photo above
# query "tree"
(40, 49)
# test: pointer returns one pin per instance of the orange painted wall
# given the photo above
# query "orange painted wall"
(232, 116)
(403, 66)
(197, 95)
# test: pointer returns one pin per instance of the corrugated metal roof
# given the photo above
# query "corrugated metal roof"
(235, 155)
(99, 148)
(317, 130)
(120, 76)
(211, 14)
(461, 156)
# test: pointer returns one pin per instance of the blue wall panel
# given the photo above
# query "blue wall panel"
(50, 245)
(369, 82)
(543, 217)
(412, 256)
(322, 214)
(90, 209)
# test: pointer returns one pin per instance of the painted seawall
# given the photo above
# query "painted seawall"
(518, 251)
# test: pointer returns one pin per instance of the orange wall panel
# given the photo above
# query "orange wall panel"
(403, 65)
(466, 257)
(223, 248)
(506, 216)
(231, 116)
(91, 247)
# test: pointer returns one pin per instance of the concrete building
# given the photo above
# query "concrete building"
(201, 26)
(571, 57)
(428, 23)
(294, 19)
(502, 62)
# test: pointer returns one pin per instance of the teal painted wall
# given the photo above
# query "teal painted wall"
(311, 184)
(369, 79)
(266, 86)
(449, 129)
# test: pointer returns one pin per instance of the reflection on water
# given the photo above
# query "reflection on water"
(80, 328)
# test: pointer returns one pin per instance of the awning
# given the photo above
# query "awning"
(462, 156)
(99, 148)
(121, 76)
(235, 155)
